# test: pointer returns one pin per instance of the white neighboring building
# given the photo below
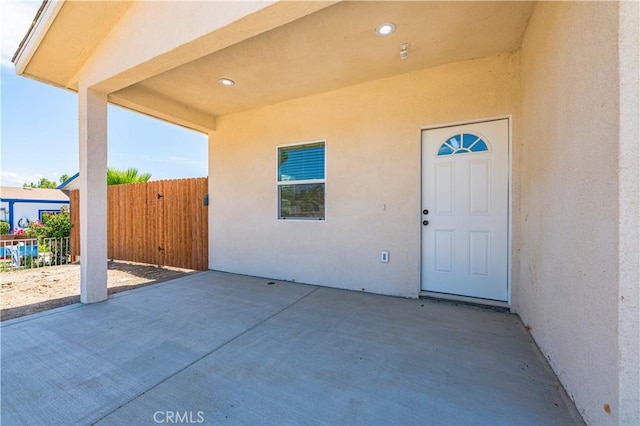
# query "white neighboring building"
(19, 206)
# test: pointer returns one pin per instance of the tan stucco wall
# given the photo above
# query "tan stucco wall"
(566, 282)
(373, 160)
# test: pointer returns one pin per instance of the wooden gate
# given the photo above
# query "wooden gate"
(161, 222)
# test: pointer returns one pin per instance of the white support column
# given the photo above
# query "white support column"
(92, 112)
(210, 192)
(629, 213)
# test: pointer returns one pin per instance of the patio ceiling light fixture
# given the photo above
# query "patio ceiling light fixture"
(226, 82)
(386, 29)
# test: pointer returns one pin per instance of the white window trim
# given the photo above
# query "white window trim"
(301, 182)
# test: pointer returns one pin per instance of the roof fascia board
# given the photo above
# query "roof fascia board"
(29, 200)
(68, 181)
(36, 34)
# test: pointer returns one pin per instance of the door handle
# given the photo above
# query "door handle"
(425, 222)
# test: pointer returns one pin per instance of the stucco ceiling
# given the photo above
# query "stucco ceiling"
(329, 47)
(337, 47)
(65, 52)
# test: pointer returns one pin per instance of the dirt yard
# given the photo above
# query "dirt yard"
(29, 291)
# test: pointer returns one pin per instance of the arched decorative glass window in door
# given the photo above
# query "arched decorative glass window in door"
(463, 143)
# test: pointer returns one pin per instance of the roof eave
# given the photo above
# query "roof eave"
(68, 181)
(37, 31)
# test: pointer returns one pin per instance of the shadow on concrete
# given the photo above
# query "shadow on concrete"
(155, 275)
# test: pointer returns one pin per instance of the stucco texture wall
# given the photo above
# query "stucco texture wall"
(629, 207)
(566, 285)
(372, 134)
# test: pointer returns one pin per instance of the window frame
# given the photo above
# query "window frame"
(280, 183)
(462, 149)
(41, 213)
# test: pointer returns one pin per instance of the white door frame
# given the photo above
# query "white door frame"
(509, 119)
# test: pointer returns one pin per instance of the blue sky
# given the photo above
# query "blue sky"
(39, 125)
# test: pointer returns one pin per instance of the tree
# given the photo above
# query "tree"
(65, 177)
(130, 175)
(42, 183)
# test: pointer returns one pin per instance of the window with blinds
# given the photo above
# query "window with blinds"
(301, 181)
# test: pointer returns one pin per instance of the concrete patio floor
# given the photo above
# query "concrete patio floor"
(217, 348)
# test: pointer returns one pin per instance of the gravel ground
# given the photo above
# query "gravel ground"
(29, 291)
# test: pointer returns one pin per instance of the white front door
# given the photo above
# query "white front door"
(465, 216)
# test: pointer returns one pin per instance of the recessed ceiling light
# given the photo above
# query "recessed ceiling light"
(385, 29)
(226, 82)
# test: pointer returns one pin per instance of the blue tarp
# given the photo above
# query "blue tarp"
(21, 250)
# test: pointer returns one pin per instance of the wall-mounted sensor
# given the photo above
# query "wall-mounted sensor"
(384, 256)
(404, 50)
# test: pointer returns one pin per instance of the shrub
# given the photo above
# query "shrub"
(53, 225)
(57, 225)
(34, 229)
(4, 227)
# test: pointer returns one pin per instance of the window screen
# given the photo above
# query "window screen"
(301, 181)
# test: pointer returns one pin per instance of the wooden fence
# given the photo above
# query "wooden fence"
(161, 222)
